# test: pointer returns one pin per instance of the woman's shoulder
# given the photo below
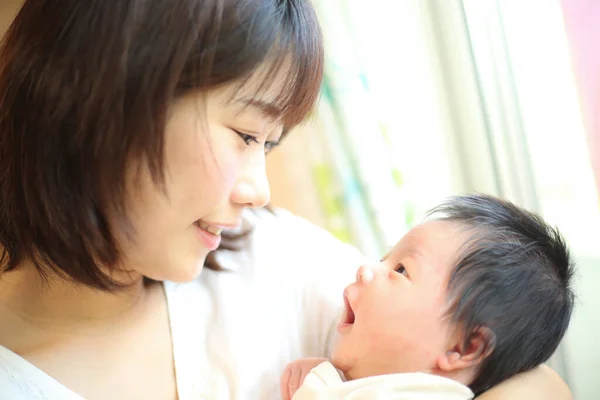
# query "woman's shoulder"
(299, 257)
(291, 230)
(277, 218)
(279, 237)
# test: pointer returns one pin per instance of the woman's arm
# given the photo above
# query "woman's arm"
(541, 383)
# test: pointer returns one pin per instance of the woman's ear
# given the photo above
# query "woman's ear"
(468, 353)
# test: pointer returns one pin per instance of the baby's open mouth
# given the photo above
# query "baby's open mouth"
(348, 312)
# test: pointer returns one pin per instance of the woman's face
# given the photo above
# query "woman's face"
(215, 147)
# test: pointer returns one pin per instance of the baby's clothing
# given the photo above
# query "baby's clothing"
(324, 383)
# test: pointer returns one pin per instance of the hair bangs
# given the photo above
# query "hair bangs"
(298, 55)
(275, 47)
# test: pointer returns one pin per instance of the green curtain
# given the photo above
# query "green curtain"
(360, 186)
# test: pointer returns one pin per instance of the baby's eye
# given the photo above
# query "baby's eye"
(401, 270)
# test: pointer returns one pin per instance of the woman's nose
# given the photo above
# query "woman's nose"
(252, 188)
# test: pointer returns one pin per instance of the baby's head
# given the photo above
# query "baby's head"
(478, 294)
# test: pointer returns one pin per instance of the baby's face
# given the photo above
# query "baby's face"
(395, 319)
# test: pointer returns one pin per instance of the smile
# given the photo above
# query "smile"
(209, 228)
(209, 235)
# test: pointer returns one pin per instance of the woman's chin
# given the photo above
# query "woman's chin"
(187, 275)
(185, 271)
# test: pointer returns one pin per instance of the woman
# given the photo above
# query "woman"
(132, 134)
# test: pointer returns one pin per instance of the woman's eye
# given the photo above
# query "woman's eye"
(270, 146)
(401, 270)
(248, 139)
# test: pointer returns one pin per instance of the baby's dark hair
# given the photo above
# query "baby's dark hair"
(513, 278)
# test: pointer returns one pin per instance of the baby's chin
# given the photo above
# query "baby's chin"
(343, 360)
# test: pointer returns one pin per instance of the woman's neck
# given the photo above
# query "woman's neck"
(58, 305)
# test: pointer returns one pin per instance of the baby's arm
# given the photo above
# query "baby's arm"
(294, 375)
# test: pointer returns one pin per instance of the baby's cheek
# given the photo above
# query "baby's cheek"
(418, 323)
(387, 337)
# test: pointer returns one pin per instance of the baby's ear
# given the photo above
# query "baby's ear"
(468, 353)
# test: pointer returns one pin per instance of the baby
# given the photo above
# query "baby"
(461, 303)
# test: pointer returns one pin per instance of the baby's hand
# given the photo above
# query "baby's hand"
(294, 375)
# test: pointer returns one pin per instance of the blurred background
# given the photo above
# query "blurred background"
(423, 99)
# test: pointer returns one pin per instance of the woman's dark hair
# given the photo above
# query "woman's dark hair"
(85, 88)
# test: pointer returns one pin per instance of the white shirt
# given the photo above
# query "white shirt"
(234, 332)
(324, 383)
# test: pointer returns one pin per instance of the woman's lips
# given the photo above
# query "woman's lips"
(215, 230)
(210, 236)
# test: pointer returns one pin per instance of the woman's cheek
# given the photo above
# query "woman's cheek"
(224, 168)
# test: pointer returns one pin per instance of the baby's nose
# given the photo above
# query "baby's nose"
(365, 274)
